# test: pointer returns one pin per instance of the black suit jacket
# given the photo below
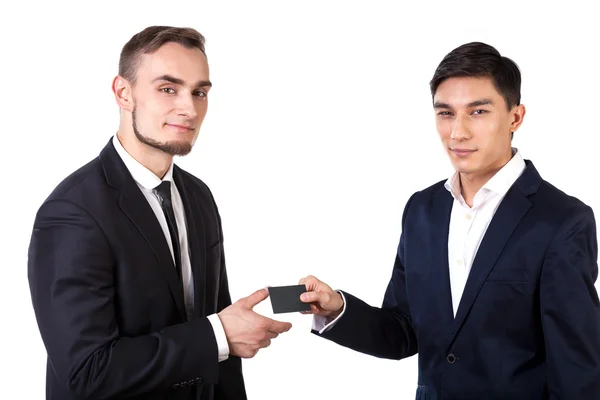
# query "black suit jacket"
(528, 323)
(107, 298)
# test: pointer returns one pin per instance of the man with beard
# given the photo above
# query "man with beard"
(126, 264)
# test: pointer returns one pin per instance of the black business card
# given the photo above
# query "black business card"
(285, 299)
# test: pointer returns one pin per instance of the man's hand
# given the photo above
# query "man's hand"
(324, 300)
(246, 331)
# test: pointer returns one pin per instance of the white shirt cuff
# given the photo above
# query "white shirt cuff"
(220, 336)
(323, 324)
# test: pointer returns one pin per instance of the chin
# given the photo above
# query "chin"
(463, 168)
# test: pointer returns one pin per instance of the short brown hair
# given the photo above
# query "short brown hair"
(151, 39)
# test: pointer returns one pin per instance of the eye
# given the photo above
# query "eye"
(200, 93)
(444, 113)
(479, 112)
(167, 90)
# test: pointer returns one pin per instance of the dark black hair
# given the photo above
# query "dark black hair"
(481, 60)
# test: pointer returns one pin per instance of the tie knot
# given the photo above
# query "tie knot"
(164, 190)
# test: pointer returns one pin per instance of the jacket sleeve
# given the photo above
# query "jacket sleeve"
(231, 381)
(385, 332)
(70, 271)
(571, 311)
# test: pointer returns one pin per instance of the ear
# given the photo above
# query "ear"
(517, 113)
(123, 92)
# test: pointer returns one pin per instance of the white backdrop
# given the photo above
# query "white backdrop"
(319, 128)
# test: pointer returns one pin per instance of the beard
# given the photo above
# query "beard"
(173, 147)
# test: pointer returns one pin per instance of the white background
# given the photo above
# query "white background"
(319, 128)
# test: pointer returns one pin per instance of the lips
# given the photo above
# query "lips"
(462, 152)
(181, 128)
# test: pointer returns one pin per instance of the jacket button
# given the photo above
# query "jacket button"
(451, 358)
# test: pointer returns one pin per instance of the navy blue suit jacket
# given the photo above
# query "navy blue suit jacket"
(528, 323)
(107, 297)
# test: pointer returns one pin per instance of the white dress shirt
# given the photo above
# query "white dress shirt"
(469, 224)
(467, 228)
(147, 181)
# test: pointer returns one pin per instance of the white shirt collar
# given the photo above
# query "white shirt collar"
(142, 175)
(499, 183)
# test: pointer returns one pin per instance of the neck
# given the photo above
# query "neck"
(471, 183)
(152, 158)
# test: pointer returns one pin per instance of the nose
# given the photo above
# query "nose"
(187, 107)
(460, 130)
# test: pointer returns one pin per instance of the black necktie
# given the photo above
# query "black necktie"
(164, 192)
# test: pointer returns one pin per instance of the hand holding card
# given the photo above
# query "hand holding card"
(322, 298)
(286, 299)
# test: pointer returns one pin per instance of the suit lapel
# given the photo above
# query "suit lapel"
(136, 207)
(196, 240)
(510, 212)
(440, 277)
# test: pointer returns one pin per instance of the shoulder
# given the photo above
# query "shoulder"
(425, 196)
(556, 200)
(432, 191)
(192, 182)
(561, 209)
(422, 200)
(83, 180)
(73, 201)
(197, 186)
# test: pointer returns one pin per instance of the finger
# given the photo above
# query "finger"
(248, 352)
(255, 298)
(279, 326)
(271, 335)
(313, 310)
(311, 282)
(265, 343)
(301, 281)
(314, 297)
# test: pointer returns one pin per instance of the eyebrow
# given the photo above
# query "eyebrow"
(476, 103)
(181, 82)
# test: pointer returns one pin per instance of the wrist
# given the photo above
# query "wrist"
(340, 308)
